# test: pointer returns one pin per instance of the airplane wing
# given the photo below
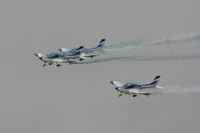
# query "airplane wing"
(137, 91)
(70, 51)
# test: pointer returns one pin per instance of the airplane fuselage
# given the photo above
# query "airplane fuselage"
(133, 91)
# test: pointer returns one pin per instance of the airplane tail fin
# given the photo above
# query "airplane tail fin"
(101, 43)
(116, 83)
(80, 47)
(156, 80)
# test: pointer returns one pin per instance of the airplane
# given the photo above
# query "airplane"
(93, 52)
(135, 89)
(69, 56)
(82, 53)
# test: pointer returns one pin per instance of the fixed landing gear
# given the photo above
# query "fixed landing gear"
(44, 64)
(58, 65)
(81, 59)
(147, 94)
(50, 63)
(134, 95)
(120, 95)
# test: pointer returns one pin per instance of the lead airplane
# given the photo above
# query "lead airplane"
(135, 89)
(70, 56)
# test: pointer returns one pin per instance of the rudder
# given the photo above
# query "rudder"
(156, 80)
(101, 43)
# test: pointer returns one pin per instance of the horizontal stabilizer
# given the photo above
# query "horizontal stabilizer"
(160, 87)
(83, 56)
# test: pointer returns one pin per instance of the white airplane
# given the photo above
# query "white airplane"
(93, 52)
(70, 56)
(85, 53)
(135, 89)
(79, 54)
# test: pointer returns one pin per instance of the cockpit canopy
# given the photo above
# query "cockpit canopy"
(130, 85)
(55, 55)
(72, 52)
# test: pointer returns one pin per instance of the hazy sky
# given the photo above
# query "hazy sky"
(79, 98)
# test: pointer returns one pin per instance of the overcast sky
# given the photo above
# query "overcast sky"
(79, 98)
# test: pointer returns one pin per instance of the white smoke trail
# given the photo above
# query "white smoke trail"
(181, 89)
(168, 40)
(143, 58)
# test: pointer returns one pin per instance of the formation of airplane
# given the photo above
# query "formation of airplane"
(74, 55)
(71, 56)
(136, 89)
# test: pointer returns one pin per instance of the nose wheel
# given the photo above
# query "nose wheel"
(147, 94)
(120, 95)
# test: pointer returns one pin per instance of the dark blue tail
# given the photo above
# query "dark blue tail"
(101, 43)
(156, 80)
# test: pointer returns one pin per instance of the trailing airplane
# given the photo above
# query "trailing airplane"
(93, 52)
(82, 53)
(69, 56)
(135, 89)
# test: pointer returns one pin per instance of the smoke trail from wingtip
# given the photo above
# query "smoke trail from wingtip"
(168, 40)
(143, 58)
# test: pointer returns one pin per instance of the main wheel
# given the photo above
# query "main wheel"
(58, 65)
(134, 95)
(120, 95)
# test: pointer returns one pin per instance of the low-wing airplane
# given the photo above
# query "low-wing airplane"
(81, 53)
(135, 89)
(51, 58)
(93, 52)
(69, 56)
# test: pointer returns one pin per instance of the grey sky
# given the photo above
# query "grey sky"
(79, 98)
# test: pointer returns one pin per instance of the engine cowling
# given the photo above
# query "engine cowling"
(39, 55)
